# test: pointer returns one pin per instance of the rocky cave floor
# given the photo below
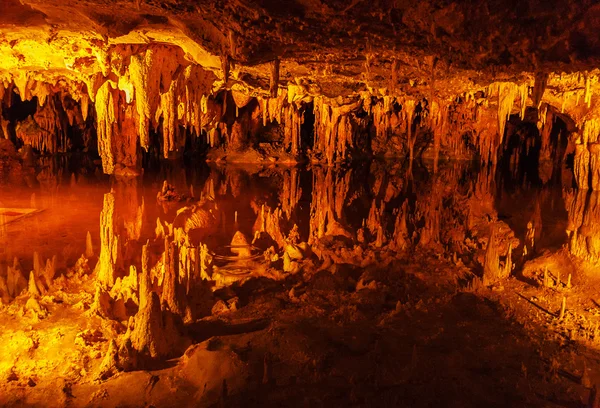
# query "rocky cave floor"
(359, 324)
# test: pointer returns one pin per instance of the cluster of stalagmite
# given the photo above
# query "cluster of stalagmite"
(584, 213)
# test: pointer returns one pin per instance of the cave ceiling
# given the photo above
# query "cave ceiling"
(339, 47)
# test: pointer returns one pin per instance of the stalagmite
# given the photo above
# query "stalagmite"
(563, 306)
(109, 365)
(400, 240)
(508, 264)
(240, 246)
(89, 248)
(173, 292)
(50, 270)
(151, 336)
(34, 286)
(491, 270)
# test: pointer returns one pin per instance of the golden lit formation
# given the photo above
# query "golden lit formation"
(301, 203)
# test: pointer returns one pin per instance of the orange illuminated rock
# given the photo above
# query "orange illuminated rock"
(15, 281)
(269, 221)
(173, 291)
(581, 166)
(108, 260)
(240, 245)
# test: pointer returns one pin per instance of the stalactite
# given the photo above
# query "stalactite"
(507, 92)
(439, 119)
(106, 116)
(334, 132)
(293, 119)
(539, 87)
(168, 109)
(225, 67)
(581, 166)
(274, 79)
(595, 166)
(408, 108)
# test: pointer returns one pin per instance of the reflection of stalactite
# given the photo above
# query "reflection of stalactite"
(429, 208)
(401, 239)
(108, 259)
(269, 221)
(330, 188)
(374, 223)
(291, 191)
(129, 208)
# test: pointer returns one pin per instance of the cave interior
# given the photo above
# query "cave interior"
(227, 203)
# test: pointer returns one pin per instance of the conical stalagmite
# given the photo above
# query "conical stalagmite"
(491, 269)
(89, 247)
(173, 292)
(34, 285)
(50, 270)
(151, 337)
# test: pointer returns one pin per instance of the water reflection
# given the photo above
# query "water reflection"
(373, 205)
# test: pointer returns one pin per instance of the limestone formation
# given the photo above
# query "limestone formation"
(89, 247)
(240, 245)
(108, 260)
(15, 281)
